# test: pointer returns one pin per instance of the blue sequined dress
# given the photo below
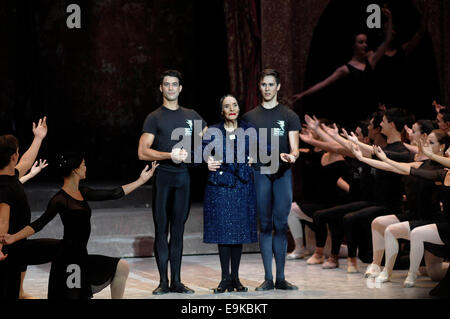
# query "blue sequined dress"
(229, 210)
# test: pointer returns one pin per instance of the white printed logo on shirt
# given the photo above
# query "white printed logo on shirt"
(279, 131)
(188, 131)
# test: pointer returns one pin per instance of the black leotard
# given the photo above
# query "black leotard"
(96, 271)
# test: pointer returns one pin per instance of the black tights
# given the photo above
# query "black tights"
(227, 253)
(171, 203)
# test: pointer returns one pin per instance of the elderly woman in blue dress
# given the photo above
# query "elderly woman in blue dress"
(230, 198)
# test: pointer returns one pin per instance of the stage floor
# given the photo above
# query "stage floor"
(202, 273)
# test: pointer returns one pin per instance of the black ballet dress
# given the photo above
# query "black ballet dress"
(443, 218)
(359, 91)
(423, 199)
(96, 271)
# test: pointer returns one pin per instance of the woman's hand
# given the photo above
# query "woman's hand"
(147, 173)
(40, 131)
(7, 239)
(379, 153)
(409, 132)
(213, 165)
(312, 123)
(352, 137)
(297, 97)
(306, 136)
(332, 131)
(357, 152)
(424, 147)
(37, 168)
(387, 13)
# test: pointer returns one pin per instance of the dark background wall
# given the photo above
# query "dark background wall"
(97, 84)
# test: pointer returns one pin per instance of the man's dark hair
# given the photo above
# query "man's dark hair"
(172, 73)
(363, 125)
(377, 118)
(398, 116)
(270, 72)
(426, 126)
(8, 146)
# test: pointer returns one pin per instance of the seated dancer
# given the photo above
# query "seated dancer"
(357, 217)
(437, 234)
(428, 212)
(334, 177)
(229, 209)
(71, 203)
(15, 213)
(359, 193)
(421, 196)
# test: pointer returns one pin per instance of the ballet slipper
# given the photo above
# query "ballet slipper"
(315, 260)
(373, 270)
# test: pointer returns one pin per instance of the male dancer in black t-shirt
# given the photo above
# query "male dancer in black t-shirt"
(274, 190)
(171, 182)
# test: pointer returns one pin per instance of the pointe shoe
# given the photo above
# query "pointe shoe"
(295, 255)
(373, 270)
(352, 267)
(315, 260)
(331, 263)
(384, 276)
(410, 280)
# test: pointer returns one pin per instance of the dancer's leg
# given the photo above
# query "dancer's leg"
(282, 199)
(263, 187)
(120, 279)
(419, 235)
(180, 212)
(379, 225)
(391, 234)
(160, 198)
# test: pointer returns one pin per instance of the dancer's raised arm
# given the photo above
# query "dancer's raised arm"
(28, 158)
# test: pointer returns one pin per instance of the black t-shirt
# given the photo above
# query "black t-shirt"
(13, 194)
(389, 186)
(329, 176)
(162, 122)
(281, 119)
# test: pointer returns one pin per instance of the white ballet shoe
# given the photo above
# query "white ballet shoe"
(315, 260)
(373, 270)
(410, 280)
(384, 276)
(295, 255)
